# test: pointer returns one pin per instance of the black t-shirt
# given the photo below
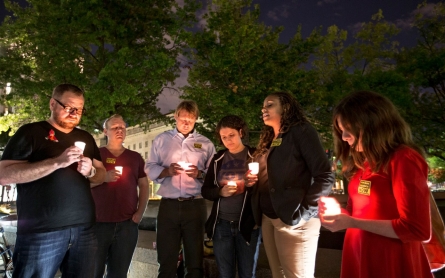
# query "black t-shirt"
(63, 198)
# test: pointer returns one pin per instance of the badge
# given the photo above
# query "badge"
(276, 142)
(364, 188)
(197, 145)
(111, 160)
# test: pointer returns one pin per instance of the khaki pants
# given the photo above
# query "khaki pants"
(291, 250)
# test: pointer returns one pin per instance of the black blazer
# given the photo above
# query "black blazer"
(299, 174)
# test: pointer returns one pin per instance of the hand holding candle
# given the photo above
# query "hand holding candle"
(184, 165)
(119, 169)
(331, 206)
(231, 183)
(80, 145)
(254, 168)
(251, 177)
(229, 189)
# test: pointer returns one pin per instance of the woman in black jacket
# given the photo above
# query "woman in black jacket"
(294, 173)
(231, 225)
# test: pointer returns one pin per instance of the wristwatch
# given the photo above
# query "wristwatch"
(92, 173)
(202, 175)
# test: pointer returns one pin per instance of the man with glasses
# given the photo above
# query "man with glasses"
(119, 207)
(178, 160)
(54, 203)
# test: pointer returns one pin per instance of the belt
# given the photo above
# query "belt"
(183, 198)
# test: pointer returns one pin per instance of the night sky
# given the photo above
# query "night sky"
(346, 14)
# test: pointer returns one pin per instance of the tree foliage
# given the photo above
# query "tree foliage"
(122, 53)
(235, 62)
(365, 63)
(424, 67)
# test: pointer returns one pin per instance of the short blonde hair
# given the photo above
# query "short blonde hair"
(189, 106)
(115, 116)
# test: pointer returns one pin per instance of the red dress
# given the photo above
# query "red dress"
(400, 195)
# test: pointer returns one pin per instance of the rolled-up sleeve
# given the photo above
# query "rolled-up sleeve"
(409, 173)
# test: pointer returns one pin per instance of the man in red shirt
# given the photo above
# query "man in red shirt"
(119, 207)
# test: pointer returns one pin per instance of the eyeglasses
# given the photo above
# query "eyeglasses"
(71, 110)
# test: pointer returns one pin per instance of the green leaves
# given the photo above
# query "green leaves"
(121, 53)
(238, 61)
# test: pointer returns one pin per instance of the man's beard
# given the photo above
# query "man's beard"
(67, 125)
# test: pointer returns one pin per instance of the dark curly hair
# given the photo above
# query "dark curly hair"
(231, 121)
(292, 114)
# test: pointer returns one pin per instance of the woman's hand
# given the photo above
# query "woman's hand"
(227, 190)
(337, 222)
(332, 217)
(250, 178)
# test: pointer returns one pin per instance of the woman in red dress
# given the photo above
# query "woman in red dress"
(388, 214)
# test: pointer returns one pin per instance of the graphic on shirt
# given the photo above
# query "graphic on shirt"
(364, 188)
(52, 136)
(276, 142)
(233, 170)
(110, 160)
(197, 145)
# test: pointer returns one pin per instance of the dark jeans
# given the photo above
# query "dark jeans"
(40, 255)
(180, 220)
(116, 243)
(231, 249)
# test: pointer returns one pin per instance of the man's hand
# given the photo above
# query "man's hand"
(192, 171)
(69, 156)
(112, 175)
(84, 166)
(137, 217)
(174, 169)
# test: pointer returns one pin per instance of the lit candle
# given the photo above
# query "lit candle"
(254, 168)
(119, 169)
(231, 183)
(184, 165)
(331, 205)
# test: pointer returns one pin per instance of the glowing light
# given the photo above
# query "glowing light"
(184, 165)
(231, 183)
(331, 205)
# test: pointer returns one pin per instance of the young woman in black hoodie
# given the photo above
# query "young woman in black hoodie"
(231, 225)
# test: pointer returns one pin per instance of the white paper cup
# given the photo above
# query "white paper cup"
(254, 168)
(119, 169)
(80, 145)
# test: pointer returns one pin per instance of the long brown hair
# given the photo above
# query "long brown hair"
(292, 114)
(375, 122)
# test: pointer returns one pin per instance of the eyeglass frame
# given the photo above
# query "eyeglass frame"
(71, 109)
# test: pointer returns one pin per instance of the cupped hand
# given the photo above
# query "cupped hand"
(227, 190)
(337, 222)
(174, 169)
(192, 171)
(69, 156)
(112, 175)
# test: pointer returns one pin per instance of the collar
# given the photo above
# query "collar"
(192, 133)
